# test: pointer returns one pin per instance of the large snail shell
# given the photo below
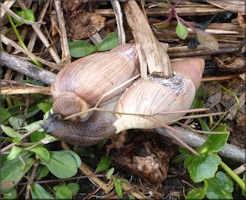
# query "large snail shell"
(89, 78)
(158, 95)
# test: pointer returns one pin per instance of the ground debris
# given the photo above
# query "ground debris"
(144, 156)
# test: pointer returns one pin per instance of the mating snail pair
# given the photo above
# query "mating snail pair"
(81, 84)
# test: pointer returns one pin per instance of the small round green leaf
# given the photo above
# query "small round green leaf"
(181, 31)
(203, 167)
(80, 48)
(219, 187)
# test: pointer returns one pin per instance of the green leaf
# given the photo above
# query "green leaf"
(5, 115)
(10, 194)
(62, 164)
(203, 167)
(43, 172)
(118, 188)
(80, 48)
(215, 142)
(45, 107)
(207, 40)
(74, 187)
(110, 173)
(16, 122)
(181, 31)
(26, 14)
(104, 164)
(37, 136)
(219, 187)
(162, 5)
(35, 125)
(196, 193)
(42, 152)
(15, 151)
(161, 25)
(110, 42)
(10, 132)
(38, 192)
(75, 156)
(12, 171)
(63, 192)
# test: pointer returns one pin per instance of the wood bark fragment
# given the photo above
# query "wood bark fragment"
(152, 55)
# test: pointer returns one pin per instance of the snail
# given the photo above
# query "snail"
(83, 82)
(145, 97)
(156, 95)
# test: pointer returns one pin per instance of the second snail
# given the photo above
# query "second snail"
(82, 83)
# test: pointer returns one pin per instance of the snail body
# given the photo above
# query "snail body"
(98, 127)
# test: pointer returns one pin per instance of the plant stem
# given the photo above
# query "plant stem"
(234, 176)
(21, 41)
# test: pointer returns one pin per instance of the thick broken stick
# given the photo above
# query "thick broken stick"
(229, 151)
(27, 68)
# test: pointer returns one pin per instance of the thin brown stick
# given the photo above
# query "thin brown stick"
(63, 36)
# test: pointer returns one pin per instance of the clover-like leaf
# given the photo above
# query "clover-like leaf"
(219, 187)
(80, 48)
(207, 40)
(203, 167)
(110, 42)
